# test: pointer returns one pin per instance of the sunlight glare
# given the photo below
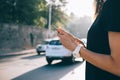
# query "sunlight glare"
(80, 7)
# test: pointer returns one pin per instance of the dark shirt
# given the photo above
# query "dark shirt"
(97, 39)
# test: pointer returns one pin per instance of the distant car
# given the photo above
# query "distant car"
(41, 47)
(55, 50)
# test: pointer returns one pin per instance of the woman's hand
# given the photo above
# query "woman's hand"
(62, 32)
(78, 41)
(68, 40)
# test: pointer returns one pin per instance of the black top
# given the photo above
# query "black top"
(97, 39)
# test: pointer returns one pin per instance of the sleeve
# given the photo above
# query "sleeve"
(114, 16)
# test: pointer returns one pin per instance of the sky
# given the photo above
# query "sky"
(80, 7)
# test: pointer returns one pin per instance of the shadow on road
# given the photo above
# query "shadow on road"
(49, 72)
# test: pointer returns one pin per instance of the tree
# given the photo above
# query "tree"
(19, 11)
(31, 12)
(59, 17)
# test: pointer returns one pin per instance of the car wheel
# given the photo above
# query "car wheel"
(49, 61)
(73, 59)
(69, 60)
(38, 52)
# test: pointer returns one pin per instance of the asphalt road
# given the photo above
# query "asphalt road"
(34, 67)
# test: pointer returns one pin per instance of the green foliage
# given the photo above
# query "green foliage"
(18, 11)
(31, 12)
(59, 18)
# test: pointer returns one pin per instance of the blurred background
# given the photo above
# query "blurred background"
(26, 23)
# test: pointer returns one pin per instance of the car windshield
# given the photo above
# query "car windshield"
(55, 42)
(45, 42)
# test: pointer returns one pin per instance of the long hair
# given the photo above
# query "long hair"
(98, 6)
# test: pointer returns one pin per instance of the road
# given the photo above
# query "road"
(34, 67)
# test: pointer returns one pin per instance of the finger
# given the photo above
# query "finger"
(59, 35)
(65, 33)
(70, 36)
(78, 41)
(61, 38)
(61, 31)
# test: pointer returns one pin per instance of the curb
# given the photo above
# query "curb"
(18, 53)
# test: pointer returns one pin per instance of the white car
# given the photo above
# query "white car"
(42, 47)
(55, 50)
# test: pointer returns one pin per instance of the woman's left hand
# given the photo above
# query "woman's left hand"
(67, 42)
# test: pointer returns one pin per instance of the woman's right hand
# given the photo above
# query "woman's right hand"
(70, 36)
(62, 32)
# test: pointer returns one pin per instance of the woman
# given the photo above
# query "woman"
(102, 54)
